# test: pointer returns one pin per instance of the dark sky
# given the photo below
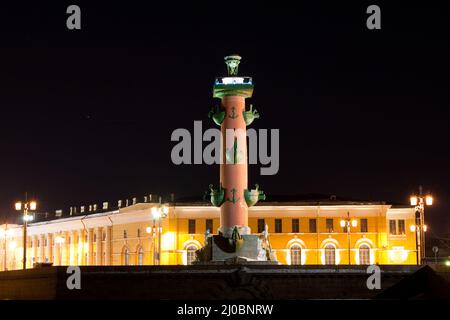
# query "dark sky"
(86, 116)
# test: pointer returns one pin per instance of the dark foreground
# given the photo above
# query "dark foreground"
(203, 282)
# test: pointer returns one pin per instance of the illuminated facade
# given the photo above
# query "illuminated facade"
(300, 233)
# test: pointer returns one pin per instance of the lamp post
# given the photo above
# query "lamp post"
(419, 201)
(348, 223)
(159, 212)
(27, 206)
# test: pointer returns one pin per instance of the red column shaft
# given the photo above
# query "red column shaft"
(233, 176)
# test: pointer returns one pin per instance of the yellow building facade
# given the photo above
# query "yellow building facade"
(299, 233)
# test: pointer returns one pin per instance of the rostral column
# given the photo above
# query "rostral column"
(232, 196)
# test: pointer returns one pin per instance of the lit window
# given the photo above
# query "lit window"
(330, 254)
(364, 254)
(296, 254)
(190, 254)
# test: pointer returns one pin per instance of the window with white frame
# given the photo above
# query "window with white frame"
(397, 227)
(330, 254)
(364, 254)
(296, 254)
(190, 254)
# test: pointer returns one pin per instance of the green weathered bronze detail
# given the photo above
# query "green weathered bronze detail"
(233, 199)
(243, 90)
(233, 114)
(231, 244)
(250, 115)
(236, 239)
(232, 62)
(253, 196)
(217, 196)
(217, 115)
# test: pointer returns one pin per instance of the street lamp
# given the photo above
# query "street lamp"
(348, 223)
(27, 206)
(419, 201)
(159, 212)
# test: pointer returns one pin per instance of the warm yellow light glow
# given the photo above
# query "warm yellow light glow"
(429, 200)
(398, 254)
(60, 240)
(412, 228)
(425, 228)
(354, 223)
(413, 200)
(156, 213)
(18, 206)
(168, 241)
(12, 245)
(343, 223)
(148, 230)
(33, 205)
(165, 209)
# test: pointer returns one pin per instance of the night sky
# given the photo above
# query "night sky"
(86, 116)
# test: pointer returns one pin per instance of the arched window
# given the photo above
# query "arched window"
(126, 257)
(140, 256)
(190, 254)
(364, 254)
(296, 254)
(330, 254)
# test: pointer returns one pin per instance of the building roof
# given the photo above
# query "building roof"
(311, 199)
